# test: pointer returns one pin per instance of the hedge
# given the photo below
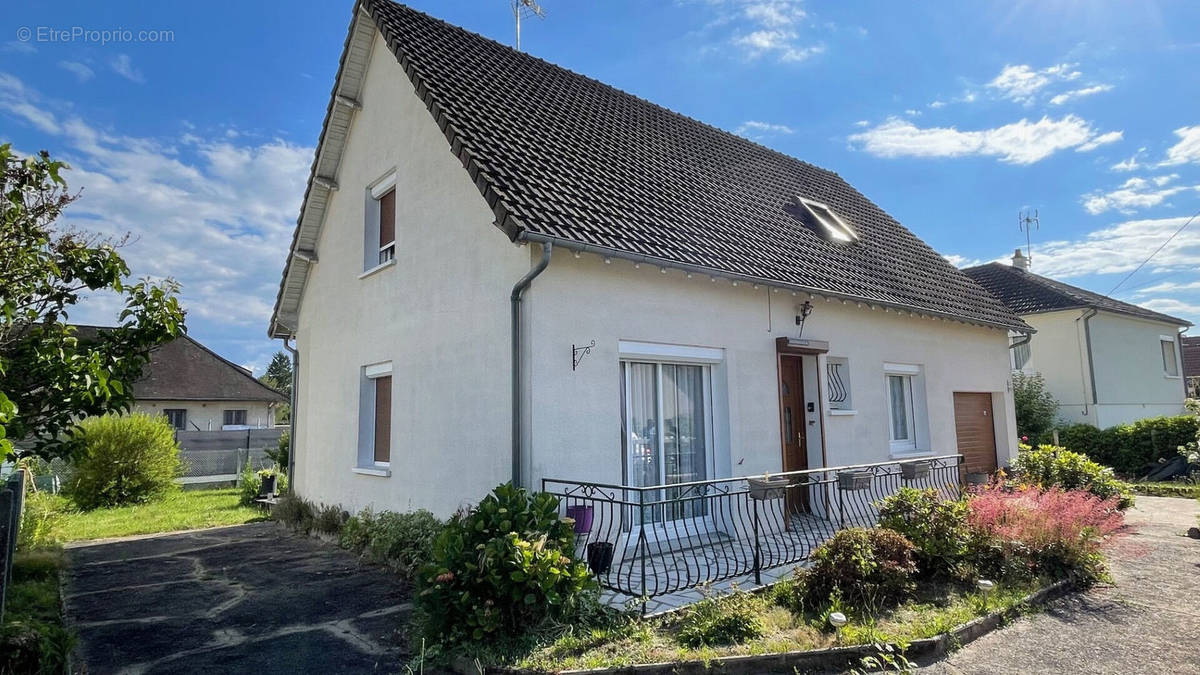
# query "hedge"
(1129, 448)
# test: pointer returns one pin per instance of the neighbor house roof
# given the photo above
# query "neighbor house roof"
(1029, 293)
(1190, 346)
(564, 158)
(185, 370)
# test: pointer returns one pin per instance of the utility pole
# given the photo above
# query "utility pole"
(1027, 221)
(525, 8)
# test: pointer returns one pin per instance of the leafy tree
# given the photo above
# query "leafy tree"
(279, 374)
(53, 374)
(1037, 411)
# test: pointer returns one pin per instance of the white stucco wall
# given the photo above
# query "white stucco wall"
(1129, 379)
(439, 314)
(575, 416)
(208, 415)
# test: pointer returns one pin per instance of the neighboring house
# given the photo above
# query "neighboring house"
(1106, 362)
(1190, 348)
(649, 271)
(198, 390)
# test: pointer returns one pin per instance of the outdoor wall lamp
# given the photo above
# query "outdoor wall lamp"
(804, 310)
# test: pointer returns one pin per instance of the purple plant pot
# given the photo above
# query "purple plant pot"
(582, 515)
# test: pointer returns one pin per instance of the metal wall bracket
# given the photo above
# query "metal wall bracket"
(577, 353)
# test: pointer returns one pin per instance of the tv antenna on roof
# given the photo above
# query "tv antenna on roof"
(1027, 221)
(525, 8)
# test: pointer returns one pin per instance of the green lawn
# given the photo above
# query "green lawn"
(183, 510)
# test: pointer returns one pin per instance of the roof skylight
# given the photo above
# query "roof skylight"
(825, 222)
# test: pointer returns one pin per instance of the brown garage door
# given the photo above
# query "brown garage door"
(976, 435)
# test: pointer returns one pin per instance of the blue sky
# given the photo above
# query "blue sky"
(951, 116)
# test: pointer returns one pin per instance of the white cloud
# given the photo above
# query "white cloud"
(961, 261)
(1021, 142)
(123, 66)
(1173, 306)
(1131, 164)
(215, 213)
(1102, 139)
(1121, 248)
(756, 130)
(764, 29)
(18, 47)
(1187, 149)
(81, 71)
(1080, 93)
(1167, 287)
(937, 104)
(1021, 83)
(1133, 194)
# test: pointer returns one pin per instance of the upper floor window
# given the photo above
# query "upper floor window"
(379, 243)
(1169, 358)
(1020, 354)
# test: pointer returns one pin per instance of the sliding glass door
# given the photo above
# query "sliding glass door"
(667, 422)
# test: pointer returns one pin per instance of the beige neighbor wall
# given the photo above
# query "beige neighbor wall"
(576, 417)
(439, 314)
(1130, 382)
(208, 415)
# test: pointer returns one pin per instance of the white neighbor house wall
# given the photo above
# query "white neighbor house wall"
(209, 415)
(439, 313)
(575, 417)
(1130, 383)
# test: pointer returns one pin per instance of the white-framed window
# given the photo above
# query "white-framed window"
(176, 417)
(837, 383)
(667, 422)
(907, 423)
(827, 223)
(379, 243)
(1020, 354)
(375, 417)
(233, 418)
(1170, 358)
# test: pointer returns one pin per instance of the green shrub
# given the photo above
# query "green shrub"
(865, 567)
(403, 541)
(295, 512)
(727, 621)
(356, 533)
(329, 519)
(33, 639)
(937, 527)
(123, 459)
(1129, 448)
(1036, 409)
(280, 453)
(41, 521)
(1048, 466)
(502, 569)
(250, 483)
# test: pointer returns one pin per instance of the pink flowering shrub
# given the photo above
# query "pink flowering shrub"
(1028, 530)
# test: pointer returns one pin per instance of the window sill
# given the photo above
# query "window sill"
(909, 454)
(377, 268)
(1171, 377)
(842, 412)
(372, 471)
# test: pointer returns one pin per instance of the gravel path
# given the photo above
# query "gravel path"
(1148, 622)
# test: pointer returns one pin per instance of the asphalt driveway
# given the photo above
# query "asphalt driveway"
(248, 598)
(1148, 622)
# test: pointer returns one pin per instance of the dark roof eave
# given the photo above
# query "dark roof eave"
(571, 244)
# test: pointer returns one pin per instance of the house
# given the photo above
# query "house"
(1106, 362)
(504, 270)
(1189, 347)
(198, 390)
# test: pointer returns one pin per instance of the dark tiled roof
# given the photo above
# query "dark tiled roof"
(559, 155)
(1029, 293)
(1191, 356)
(185, 370)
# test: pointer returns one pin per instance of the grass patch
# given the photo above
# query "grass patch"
(1187, 490)
(936, 609)
(33, 639)
(180, 510)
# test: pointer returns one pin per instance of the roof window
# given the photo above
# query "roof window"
(821, 219)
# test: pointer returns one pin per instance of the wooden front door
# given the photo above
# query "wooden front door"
(976, 433)
(792, 426)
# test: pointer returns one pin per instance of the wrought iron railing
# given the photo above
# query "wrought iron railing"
(651, 541)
